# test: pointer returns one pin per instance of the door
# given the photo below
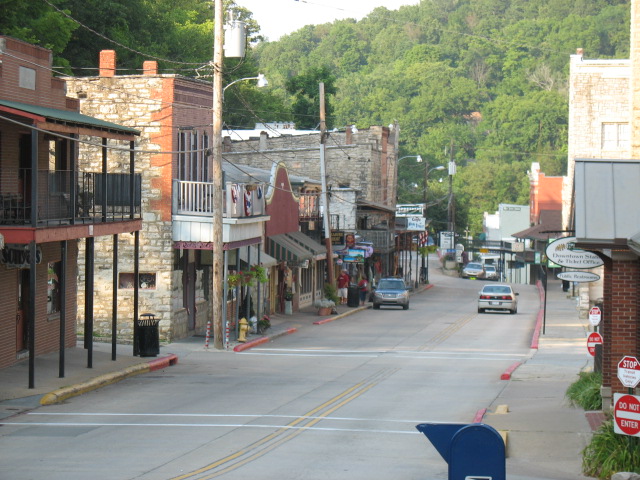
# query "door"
(24, 296)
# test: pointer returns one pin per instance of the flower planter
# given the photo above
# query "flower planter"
(324, 311)
(288, 307)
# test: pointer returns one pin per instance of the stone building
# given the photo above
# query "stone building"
(174, 116)
(362, 161)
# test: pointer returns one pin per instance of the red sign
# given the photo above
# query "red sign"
(595, 314)
(629, 371)
(592, 340)
(626, 414)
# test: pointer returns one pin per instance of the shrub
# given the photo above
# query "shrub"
(585, 392)
(331, 293)
(609, 453)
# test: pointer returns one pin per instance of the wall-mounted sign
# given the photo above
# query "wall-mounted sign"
(337, 237)
(579, 277)
(19, 256)
(563, 252)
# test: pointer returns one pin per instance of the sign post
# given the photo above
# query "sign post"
(593, 339)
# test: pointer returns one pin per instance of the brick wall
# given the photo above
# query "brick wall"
(619, 326)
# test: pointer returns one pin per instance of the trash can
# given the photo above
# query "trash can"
(353, 296)
(148, 335)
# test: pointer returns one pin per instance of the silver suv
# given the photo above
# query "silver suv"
(391, 291)
(473, 270)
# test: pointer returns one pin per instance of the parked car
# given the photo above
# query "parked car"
(391, 291)
(497, 297)
(490, 272)
(473, 270)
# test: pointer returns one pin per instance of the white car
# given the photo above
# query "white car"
(497, 297)
(490, 272)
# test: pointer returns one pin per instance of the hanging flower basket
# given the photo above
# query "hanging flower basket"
(247, 278)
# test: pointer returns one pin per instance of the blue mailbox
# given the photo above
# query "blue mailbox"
(473, 451)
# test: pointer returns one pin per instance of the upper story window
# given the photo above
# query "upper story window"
(27, 78)
(615, 136)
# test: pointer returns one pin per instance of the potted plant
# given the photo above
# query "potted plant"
(324, 306)
(263, 324)
(288, 302)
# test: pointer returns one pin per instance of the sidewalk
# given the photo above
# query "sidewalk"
(545, 435)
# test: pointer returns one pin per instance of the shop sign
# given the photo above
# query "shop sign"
(337, 237)
(563, 252)
(19, 256)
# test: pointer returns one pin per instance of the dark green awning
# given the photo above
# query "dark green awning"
(66, 117)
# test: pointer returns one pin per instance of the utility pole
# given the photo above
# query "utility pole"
(217, 270)
(451, 206)
(325, 196)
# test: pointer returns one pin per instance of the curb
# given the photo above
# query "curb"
(64, 393)
(342, 315)
(259, 341)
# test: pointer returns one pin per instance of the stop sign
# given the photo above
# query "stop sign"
(629, 371)
(595, 314)
(626, 414)
(593, 339)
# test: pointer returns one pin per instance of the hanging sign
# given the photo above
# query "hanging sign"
(19, 256)
(563, 252)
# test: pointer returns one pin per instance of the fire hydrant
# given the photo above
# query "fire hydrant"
(243, 327)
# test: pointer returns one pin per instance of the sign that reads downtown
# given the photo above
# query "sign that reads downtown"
(563, 252)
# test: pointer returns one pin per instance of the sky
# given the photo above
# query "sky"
(281, 17)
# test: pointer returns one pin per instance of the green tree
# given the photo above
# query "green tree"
(306, 90)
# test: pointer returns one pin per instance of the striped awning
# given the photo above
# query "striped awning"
(295, 248)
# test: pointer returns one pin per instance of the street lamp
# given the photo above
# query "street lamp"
(262, 82)
(425, 267)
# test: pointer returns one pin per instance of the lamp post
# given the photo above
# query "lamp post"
(262, 82)
(427, 170)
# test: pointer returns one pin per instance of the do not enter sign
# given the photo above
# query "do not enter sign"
(626, 413)
(593, 339)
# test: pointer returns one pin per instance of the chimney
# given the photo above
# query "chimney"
(150, 67)
(107, 63)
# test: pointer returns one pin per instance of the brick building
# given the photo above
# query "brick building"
(604, 172)
(50, 205)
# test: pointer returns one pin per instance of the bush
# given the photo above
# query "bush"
(585, 392)
(331, 293)
(609, 453)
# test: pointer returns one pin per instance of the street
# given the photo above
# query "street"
(339, 400)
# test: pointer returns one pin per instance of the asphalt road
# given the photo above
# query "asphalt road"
(339, 400)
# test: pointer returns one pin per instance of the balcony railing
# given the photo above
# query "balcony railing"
(381, 239)
(239, 199)
(62, 200)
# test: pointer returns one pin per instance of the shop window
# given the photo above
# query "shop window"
(147, 281)
(53, 287)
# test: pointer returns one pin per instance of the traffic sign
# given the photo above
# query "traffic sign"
(626, 414)
(629, 371)
(593, 339)
(595, 314)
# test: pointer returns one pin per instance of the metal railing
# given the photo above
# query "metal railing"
(61, 199)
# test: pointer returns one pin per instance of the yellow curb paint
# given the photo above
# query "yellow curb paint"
(62, 394)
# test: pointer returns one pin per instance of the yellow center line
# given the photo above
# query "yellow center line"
(277, 432)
